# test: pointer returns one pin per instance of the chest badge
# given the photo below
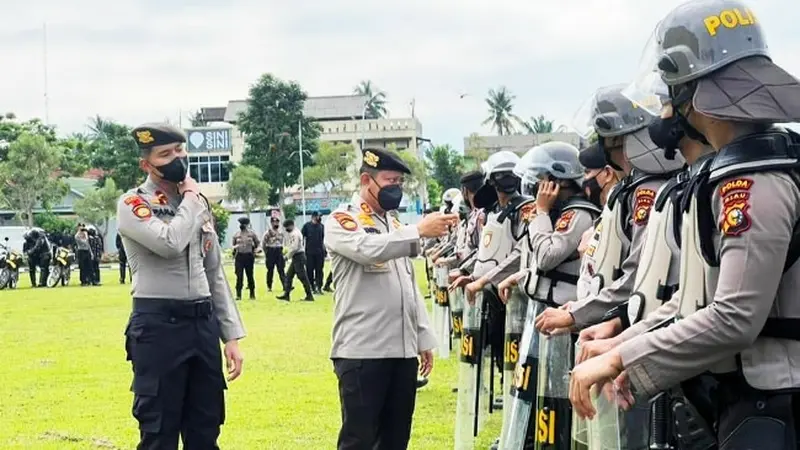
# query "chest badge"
(487, 239)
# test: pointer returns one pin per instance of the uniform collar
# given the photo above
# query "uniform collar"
(168, 189)
(362, 206)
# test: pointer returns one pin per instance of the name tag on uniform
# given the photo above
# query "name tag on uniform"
(377, 268)
(372, 230)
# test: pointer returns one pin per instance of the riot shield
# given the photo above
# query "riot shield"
(553, 418)
(457, 313)
(615, 429)
(473, 383)
(441, 314)
(580, 430)
(515, 325)
(523, 394)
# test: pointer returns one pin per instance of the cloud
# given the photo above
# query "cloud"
(147, 60)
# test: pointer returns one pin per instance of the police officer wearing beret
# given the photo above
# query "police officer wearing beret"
(742, 325)
(245, 245)
(182, 304)
(380, 324)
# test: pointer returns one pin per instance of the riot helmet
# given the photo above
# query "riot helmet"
(556, 160)
(499, 176)
(451, 201)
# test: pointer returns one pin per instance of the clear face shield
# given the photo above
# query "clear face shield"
(648, 90)
(607, 113)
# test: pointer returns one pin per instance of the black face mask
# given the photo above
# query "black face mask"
(506, 185)
(667, 134)
(594, 190)
(242, 227)
(275, 226)
(175, 170)
(389, 196)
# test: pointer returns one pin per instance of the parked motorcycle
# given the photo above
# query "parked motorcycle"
(10, 262)
(61, 267)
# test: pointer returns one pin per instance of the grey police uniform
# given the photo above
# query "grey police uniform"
(182, 307)
(245, 243)
(272, 244)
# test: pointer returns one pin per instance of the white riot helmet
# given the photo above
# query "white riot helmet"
(499, 175)
(555, 159)
(451, 201)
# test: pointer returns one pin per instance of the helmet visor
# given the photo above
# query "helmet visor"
(648, 90)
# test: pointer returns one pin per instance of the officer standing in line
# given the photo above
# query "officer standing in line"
(746, 333)
(314, 232)
(182, 303)
(123, 259)
(245, 246)
(272, 244)
(96, 243)
(380, 324)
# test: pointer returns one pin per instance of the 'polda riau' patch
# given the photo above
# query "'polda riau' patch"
(735, 205)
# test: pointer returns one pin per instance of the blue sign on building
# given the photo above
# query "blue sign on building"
(208, 140)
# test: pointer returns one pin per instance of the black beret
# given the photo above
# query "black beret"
(475, 175)
(244, 220)
(315, 214)
(379, 159)
(152, 134)
(593, 157)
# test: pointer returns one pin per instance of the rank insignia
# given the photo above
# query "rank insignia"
(345, 221)
(161, 198)
(527, 212)
(563, 222)
(371, 159)
(735, 205)
(644, 201)
(365, 208)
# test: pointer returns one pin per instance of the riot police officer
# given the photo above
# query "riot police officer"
(706, 52)
(182, 303)
(37, 249)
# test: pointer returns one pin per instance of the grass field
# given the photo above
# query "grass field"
(64, 381)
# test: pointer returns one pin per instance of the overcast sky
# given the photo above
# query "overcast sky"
(144, 60)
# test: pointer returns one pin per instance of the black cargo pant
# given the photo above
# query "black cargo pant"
(244, 263)
(178, 384)
(84, 266)
(41, 261)
(316, 261)
(275, 260)
(377, 398)
(298, 267)
(123, 268)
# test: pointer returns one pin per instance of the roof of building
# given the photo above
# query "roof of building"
(213, 114)
(332, 107)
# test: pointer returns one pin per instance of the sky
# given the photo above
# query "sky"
(147, 60)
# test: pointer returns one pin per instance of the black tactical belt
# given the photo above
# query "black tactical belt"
(178, 308)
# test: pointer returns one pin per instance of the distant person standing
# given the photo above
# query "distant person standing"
(272, 244)
(182, 303)
(295, 253)
(83, 253)
(245, 245)
(314, 234)
(96, 243)
(123, 260)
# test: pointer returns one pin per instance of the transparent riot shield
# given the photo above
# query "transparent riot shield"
(614, 428)
(473, 383)
(457, 313)
(515, 325)
(523, 394)
(580, 430)
(441, 314)
(553, 410)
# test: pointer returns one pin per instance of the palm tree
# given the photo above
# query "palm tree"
(500, 116)
(376, 103)
(539, 125)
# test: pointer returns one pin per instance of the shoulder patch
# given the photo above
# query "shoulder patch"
(643, 203)
(345, 221)
(365, 208)
(527, 212)
(735, 218)
(566, 218)
(138, 206)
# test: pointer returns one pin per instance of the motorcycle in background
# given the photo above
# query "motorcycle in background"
(61, 267)
(10, 262)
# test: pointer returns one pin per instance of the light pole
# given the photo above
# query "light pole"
(300, 152)
(363, 119)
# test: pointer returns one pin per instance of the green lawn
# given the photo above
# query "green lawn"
(64, 379)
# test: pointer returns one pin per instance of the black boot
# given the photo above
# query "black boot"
(238, 295)
(252, 294)
(284, 297)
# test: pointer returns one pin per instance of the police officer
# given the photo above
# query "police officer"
(375, 350)
(245, 246)
(744, 334)
(123, 259)
(296, 254)
(96, 243)
(182, 303)
(37, 248)
(272, 244)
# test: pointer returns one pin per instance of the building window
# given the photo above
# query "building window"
(209, 169)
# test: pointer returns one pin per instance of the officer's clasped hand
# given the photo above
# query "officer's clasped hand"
(436, 224)
(188, 185)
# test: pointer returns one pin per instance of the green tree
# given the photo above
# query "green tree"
(11, 130)
(52, 223)
(196, 118)
(246, 186)
(29, 175)
(445, 166)
(331, 167)
(270, 126)
(221, 218)
(376, 99)
(501, 116)
(290, 211)
(434, 193)
(539, 125)
(416, 179)
(99, 206)
(113, 149)
(77, 154)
